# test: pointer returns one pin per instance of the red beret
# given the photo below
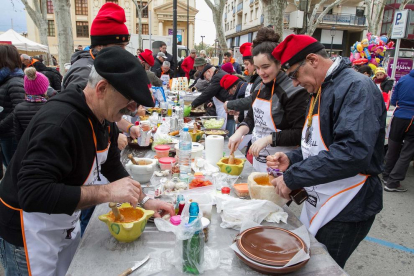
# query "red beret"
(228, 67)
(246, 50)
(227, 81)
(109, 27)
(147, 57)
(295, 48)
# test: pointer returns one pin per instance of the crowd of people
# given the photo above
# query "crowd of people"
(296, 109)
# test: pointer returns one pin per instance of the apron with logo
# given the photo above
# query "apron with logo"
(51, 240)
(324, 201)
(247, 93)
(165, 77)
(221, 112)
(264, 126)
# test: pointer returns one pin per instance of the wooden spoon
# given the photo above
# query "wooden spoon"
(195, 128)
(116, 212)
(231, 158)
(130, 157)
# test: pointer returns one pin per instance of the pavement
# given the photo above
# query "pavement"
(389, 246)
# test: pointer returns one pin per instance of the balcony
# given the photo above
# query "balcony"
(240, 7)
(238, 28)
(343, 19)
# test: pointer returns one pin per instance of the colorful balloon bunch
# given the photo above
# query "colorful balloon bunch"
(370, 51)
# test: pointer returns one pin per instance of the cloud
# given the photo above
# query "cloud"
(204, 24)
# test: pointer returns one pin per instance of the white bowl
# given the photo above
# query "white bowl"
(141, 173)
(196, 150)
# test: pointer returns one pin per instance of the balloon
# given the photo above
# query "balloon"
(364, 43)
(390, 45)
(384, 39)
(369, 36)
(373, 67)
(357, 56)
(374, 61)
(359, 47)
(367, 53)
(360, 61)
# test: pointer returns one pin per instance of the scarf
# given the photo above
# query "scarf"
(5, 72)
(35, 99)
(377, 80)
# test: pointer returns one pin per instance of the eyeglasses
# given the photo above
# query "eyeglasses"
(294, 74)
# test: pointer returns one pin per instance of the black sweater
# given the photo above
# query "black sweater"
(289, 105)
(23, 114)
(11, 93)
(53, 160)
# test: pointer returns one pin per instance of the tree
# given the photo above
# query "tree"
(199, 47)
(217, 9)
(273, 14)
(314, 19)
(64, 30)
(375, 11)
(140, 8)
(39, 18)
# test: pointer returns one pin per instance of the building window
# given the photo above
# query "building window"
(49, 7)
(82, 29)
(81, 7)
(50, 28)
(145, 29)
(145, 11)
(112, 1)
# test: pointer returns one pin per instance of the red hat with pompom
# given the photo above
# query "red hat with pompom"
(295, 48)
(147, 57)
(227, 81)
(246, 50)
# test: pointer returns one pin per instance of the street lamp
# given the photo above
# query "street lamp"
(332, 34)
(202, 39)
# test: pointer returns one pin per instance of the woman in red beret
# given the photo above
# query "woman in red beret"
(278, 109)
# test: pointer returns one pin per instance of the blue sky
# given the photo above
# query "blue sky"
(12, 9)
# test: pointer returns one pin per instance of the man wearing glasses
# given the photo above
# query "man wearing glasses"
(341, 152)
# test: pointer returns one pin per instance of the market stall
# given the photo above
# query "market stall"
(99, 253)
(23, 44)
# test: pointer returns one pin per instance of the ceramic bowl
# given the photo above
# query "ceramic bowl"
(235, 169)
(195, 137)
(127, 231)
(141, 173)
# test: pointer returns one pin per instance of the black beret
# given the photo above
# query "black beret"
(208, 66)
(125, 73)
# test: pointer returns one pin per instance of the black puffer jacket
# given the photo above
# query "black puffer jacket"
(22, 115)
(11, 94)
(55, 78)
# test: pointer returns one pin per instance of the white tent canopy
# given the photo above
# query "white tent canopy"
(23, 44)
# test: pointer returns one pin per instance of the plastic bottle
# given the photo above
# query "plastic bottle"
(193, 248)
(185, 146)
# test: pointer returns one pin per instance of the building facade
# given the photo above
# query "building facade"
(157, 19)
(243, 18)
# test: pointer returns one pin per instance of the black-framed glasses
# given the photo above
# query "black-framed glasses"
(294, 74)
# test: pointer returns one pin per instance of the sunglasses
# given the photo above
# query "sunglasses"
(294, 74)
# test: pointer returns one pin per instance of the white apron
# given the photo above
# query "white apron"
(264, 126)
(325, 201)
(51, 240)
(221, 112)
(247, 93)
(165, 77)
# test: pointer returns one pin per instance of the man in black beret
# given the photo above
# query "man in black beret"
(66, 149)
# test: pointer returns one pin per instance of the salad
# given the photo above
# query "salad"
(213, 123)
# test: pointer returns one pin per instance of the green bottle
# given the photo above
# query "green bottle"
(193, 248)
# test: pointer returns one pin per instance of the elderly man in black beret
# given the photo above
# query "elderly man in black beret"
(62, 155)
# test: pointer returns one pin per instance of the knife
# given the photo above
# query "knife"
(138, 264)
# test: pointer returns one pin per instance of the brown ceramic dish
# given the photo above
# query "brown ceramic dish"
(270, 245)
(272, 271)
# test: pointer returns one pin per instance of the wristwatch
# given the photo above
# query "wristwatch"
(144, 200)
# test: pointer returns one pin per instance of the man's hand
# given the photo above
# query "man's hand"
(281, 188)
(225, 106)
(134, 132)
(122, 141)
(278, 161)
(159, 205)
(125, 190)
(260, 144)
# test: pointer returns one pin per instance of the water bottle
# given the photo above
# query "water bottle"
(185, 146)
(193, 248)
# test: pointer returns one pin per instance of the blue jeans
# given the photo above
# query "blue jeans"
(85, 217)
(8, 147)
(231, 126)
(13, 259)
(342, 238)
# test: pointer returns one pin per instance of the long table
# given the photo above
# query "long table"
(101, 254)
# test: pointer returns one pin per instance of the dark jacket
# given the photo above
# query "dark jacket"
(54, 159)
(159, 72)
(169, 59)
(386, 85)
(11, 94)
(213, 90)
(352, 124)
(23, 114)
(237, 67)
(157, 65)
(244, 103)
(288, 110)
(153, 79)
(55, 78)
(78, 73)
(403, 96)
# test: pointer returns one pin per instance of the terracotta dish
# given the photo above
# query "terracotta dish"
(270, 245)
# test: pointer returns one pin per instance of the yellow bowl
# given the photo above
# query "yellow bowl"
(127, 231)
(196, 136)
(235, 169)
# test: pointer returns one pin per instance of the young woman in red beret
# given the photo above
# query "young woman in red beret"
(278, 109)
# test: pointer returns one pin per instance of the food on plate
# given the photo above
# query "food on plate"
(174, 133)
(241, 189)
(213, 123)
(154, 109)
(187, 120)
(162, 173)
(261, 188)
(174, 185)
(215, 132)
(143, 118)
(197, 183)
